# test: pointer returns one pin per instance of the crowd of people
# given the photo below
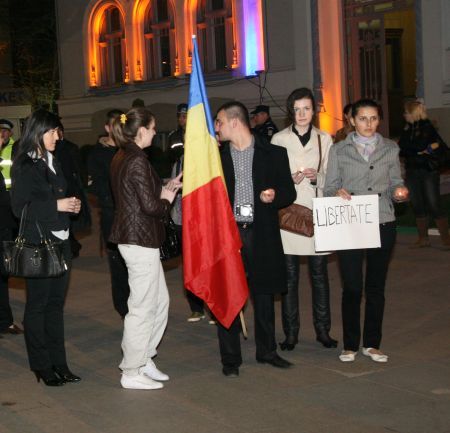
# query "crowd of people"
(265, 170)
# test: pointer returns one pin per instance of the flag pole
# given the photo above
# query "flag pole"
(244, 326)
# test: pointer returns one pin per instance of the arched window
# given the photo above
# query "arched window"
(159, 36)
(215, 35)
(112, 48)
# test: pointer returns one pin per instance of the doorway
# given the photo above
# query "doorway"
(381, 57)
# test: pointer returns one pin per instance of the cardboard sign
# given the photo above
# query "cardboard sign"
(346, 224)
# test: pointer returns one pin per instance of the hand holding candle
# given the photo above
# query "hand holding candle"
(401, 193)
(267, 196)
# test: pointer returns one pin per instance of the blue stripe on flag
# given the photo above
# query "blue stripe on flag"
(197, 90)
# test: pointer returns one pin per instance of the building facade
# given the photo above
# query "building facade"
(113, 52)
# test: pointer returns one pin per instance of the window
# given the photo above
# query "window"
(159, 40)
(111, 44)
(215, 35)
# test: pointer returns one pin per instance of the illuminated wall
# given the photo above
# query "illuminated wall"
(332, 65)
(248, 38)
(94, 23)
(253, 37)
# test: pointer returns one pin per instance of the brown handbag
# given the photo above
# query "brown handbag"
(297, 218)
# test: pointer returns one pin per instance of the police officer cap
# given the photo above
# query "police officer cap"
(6, 124)
(261, 109)
(182, 108)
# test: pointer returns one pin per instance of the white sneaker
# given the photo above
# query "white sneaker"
(141, 381)
(152, 372)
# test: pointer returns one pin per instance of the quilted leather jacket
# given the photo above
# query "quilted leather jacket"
(139, 211)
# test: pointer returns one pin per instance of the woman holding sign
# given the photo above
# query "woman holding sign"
(307, 149)
(366, 163)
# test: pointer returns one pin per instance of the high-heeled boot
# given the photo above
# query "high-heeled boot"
(289, 304)
(442, 225)
(422, 229)
(48, 377)
(318, 269)
(65, 374)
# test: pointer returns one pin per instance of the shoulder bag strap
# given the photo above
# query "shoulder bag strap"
(23, 217)
(320, 155)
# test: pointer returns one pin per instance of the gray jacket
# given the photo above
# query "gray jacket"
(380, 175)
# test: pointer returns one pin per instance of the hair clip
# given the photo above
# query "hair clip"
(123, 119)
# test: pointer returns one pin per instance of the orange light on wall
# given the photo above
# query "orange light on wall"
(94, 27)
(139, 10)
(190, 12)
(331, 62)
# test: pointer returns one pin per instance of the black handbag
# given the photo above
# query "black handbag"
(172, 245)
(22, 259)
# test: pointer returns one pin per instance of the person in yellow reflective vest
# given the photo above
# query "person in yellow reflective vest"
(6, 150)
(7, 224)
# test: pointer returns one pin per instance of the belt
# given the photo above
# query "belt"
(244, 225)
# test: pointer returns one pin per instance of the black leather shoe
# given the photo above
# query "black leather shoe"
(289, 343)
(13, 329)
(49, 378)
(230, 371)
(275, 360)
(326, 340)
(66, 375)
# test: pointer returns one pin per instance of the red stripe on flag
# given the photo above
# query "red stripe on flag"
(213, 268)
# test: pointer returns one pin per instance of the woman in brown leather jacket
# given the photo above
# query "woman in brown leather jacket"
(142, 204)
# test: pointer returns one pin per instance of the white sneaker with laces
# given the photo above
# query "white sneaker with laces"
(152, 371)
(140, 381)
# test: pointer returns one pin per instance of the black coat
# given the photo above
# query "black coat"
(270, 170)
(6, 217)
(33, 182)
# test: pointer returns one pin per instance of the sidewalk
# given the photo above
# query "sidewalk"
(410, 394)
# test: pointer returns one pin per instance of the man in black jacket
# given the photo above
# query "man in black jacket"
(99, 164)
(7, 226)
(259, 183)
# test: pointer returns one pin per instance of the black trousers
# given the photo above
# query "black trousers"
(195, 303)
(351, 267)
(318, 270)
(264, 313)
(424, 193)
(6, 316)
(44, 318)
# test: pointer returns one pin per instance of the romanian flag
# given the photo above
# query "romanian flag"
(213, 268)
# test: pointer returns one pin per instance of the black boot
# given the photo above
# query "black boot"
(289, 304)
(318, 268)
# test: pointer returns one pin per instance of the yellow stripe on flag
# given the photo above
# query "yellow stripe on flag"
(200, 166)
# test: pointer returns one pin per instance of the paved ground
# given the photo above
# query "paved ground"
(410, 394)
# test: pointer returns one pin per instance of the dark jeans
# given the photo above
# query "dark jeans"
(195, 303)
(424, 193)
(318, 270)
(264, 313)
(351, 267)
(6, 316)
(44, 318)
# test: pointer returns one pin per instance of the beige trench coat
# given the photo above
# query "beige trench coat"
(300, 158)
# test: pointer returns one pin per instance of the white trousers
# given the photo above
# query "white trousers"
(148, 307)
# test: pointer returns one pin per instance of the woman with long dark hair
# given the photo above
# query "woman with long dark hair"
(307, 148)
(37, 181)
(142, 204)
(366, 163)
